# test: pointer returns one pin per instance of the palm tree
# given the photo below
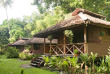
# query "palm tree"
(5, 4)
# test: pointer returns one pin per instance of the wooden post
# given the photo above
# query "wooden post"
(50, 44)
(64, 45)
(85, 39)
(44, 45)
(32, 48)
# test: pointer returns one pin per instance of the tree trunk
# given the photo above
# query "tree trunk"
(8, 23)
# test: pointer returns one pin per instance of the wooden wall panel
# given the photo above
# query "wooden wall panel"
(40, 50)
(47, 48)
(93, 33)
(100, 48)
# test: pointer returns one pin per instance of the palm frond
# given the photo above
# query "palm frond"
(6, 3)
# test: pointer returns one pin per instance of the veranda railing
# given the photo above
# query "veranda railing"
(67, 48)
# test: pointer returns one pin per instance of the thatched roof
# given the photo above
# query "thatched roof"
(81, 17)
(24, 38)
(18, 43)
(41, 41)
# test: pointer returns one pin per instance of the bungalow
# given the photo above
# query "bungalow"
(37, 45)
(91, 33)
(19, 44)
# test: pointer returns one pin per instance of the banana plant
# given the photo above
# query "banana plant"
(59, 63)
(103, 67)
(85, 58)
(52, 62)
(93, 57)
(71, 64)
(46, 59)
(108, 61)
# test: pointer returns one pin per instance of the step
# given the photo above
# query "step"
(45, 55)
(36, 62)
(33, 64)
(40, 57)
(33, 61)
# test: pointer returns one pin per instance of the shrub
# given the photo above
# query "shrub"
(25, 55)
(2, 52)
(11, 52)
(36, 55)
(66, 64)
(89, 64)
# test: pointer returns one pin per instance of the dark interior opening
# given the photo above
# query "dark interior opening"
(78, 36)
(36, 46)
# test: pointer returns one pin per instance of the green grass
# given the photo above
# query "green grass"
(12, 66)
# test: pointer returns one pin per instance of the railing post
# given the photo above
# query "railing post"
(85, 39)
(32, 48)
(64, 45)
(50, 44)
(44, 45)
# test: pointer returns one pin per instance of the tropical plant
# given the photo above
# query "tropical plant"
(85, 58)
(93, 57)
(2, 52)
(53, 62)
(50, 37)
(72, 64)
(25, 55)
(75, 51)
(103, 67)
(50, 51)
(36, 55)
(108, 61)
(67, 64)
(11, 52)
(46, 59)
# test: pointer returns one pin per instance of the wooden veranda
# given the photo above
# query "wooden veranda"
(68, 49)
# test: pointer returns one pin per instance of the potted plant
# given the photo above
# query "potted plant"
(101, 34)
(50, 37)
(50, 51)
(75, 52)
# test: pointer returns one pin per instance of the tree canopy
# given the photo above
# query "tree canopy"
(97, 6)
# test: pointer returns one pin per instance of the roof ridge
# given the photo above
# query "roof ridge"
(78, 10)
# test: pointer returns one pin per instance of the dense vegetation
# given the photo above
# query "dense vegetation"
(84, 65)
(50, 13)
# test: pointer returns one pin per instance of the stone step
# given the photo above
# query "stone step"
(40, 57)
(33, 64)
(37, 62)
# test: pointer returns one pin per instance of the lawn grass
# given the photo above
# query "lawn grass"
(12, 66)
